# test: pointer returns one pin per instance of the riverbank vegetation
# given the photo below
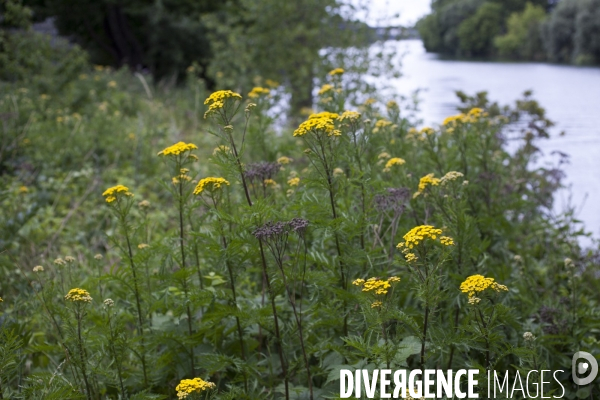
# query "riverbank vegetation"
(563, 31)
(162, 242)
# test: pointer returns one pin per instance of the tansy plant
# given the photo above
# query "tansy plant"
(421, 249)
(484, 317)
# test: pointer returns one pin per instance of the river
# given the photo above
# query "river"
(570, 95)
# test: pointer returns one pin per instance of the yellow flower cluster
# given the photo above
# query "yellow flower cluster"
(323, 122)
(336, 71)
(283, 160)
(376, 285)
(269, 182)
(382, 123)
(391, 105)
(351, 116)
(183, 176)
(325, 88)
(189, 386)
(1, 300)
(393, 161)
(376, 304)
(451, 176)
(177, 149)
(446, 241)
(419, 233)
(293, 181)
(411, 257)
(427, 180)
(370, 101)
(111, 194)
(211, 183)
(427, 131)
(383, 155)
(217, 100)
(258, 91)
(472, 116)
(475, 284)
(78, 295)
(220, 149)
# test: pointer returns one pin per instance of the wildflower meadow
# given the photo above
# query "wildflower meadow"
(180, 243)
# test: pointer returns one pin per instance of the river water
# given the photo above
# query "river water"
(570, 95)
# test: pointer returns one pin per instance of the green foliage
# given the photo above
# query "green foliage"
(477, 32)
(571, 32)
(522, 30)
(249, 285)
(523, 37)
(164, 37)
(439, 30)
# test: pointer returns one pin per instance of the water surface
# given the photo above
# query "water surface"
(570, 95)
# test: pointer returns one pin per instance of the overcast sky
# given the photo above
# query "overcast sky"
(409, 11)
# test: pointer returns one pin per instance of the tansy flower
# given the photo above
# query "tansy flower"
(217, 100)
(70, 259)
(381, 123)
(293, 181)
(98, 257)
(383, 155)
(23, 189)
(325, 88)
(475, 284)
(189, 386)
(270, 182)
(427, 131)
(351, 116)
(474, 300)
(393, 161)
(78, 296)
(109, 302)
(420, 233)
(284, 160)
(59, 261)
(271, 83)
(369, 101)
(336, 71)
(319, 123)
(376, 304)
(113, 193)
(391, 105)
(210, 184)
(427, 180)
(220, 149)
(177, 149)
(450, 176)
(38, 268)
(411, 257)
(258, 91)
(376, 285)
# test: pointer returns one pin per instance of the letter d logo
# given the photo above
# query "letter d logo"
(583, 367)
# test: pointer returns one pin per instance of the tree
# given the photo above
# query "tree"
(286, 41)
(523, 37)
(164, 37)
(476, 33)
(559, 31)
(587, 34)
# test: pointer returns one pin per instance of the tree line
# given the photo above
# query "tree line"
(565, 31)
(288, 42)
